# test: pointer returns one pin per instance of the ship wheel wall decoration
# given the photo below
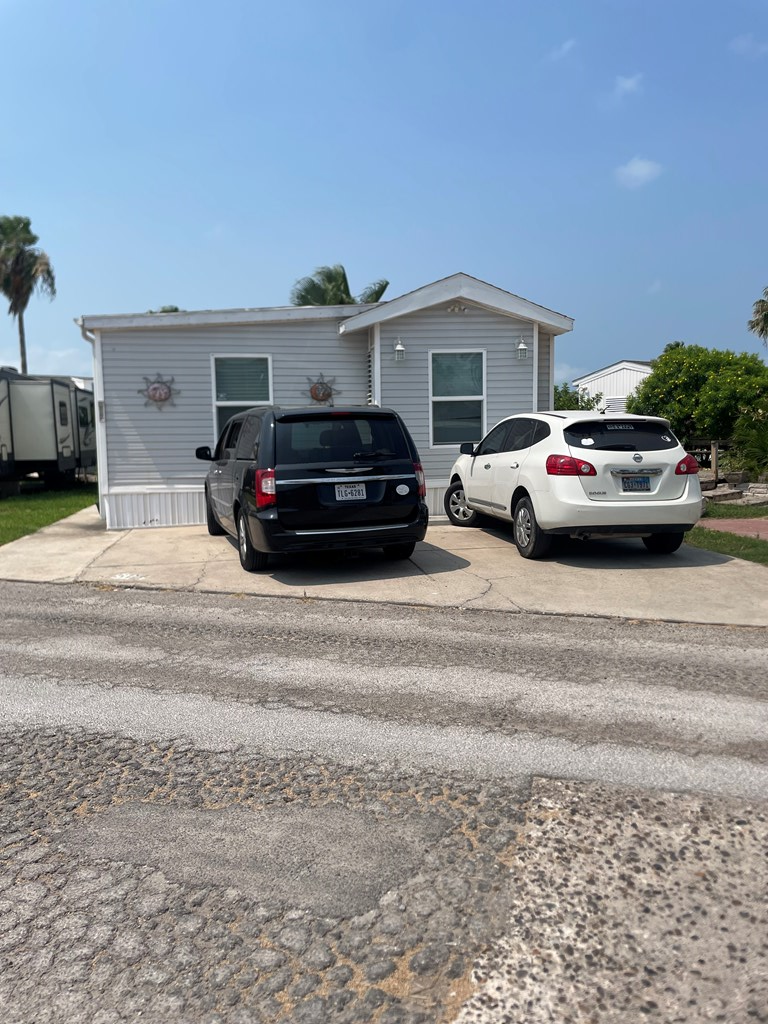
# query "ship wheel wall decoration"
(159, 391)
(321, 390)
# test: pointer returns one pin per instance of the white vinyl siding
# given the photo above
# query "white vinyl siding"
(405, 385)
(152, 445)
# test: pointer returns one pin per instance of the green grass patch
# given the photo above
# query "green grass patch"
(37, 507)
(750, 548)
(722, 510)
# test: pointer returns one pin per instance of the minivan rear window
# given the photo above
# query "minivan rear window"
(620, 436)
(319, 439)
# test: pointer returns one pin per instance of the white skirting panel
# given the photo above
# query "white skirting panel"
(435, 499)
(186, 507)
(181, 506)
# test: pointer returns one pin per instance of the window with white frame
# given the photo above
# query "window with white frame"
(239, 383)
(457, 392)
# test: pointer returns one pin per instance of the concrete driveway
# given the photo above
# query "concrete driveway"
(464, 568)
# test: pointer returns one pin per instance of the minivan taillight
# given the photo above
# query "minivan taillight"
(266, 494)
(566, 465)
(686, 466)
(420, 480)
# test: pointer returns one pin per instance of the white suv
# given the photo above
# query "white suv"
(581, 474)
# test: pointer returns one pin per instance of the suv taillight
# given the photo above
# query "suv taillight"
(686, 466)
(266, 494)
(566, 465)
(420, 480)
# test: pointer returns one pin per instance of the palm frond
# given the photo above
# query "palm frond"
(374, 291)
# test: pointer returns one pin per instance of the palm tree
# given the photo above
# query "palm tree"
(328, 286)
(24, 269)
(759, 323)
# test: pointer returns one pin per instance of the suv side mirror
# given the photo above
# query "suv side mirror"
(467, 448)
(204, 452)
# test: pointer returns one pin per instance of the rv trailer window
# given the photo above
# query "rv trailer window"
(63, 417)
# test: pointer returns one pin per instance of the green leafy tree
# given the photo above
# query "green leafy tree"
(566, 398)
(702, 391)
(759, 323)
(329, 286)
(24, 269)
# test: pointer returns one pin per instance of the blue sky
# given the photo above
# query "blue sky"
(607, 159)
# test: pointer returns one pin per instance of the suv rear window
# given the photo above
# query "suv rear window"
(620, 436)
(319, 439)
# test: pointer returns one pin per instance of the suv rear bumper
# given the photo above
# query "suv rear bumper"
(268, 535)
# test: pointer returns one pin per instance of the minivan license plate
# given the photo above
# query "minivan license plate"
(636, 483)
(350, 492)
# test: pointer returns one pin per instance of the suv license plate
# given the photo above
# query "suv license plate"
(350, 492)
(636, 483)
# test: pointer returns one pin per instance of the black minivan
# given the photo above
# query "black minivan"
(313, 479)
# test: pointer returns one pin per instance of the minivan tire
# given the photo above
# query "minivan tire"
(530, 540)
(663, 543)
(250, 559)
(455, 505)
(214, 526)
(399, 552)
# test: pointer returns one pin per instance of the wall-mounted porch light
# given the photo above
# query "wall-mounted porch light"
(522, 350)
(399, 351)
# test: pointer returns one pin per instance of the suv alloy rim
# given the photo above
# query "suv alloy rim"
(458, 504)
(523, 527)
(241, 536)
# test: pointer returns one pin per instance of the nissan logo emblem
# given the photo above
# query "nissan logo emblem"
(637, 457)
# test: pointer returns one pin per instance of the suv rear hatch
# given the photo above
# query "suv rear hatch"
(633, 459)
(344, 470)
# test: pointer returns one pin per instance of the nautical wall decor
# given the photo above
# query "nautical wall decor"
(159, 391)
(321, 390)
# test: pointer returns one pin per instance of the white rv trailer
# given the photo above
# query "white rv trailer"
(47, 426)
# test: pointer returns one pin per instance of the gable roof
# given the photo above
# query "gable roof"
(459, 287)
(623, 364)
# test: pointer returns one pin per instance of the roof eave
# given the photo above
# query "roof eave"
(216, 317)
(460, 286)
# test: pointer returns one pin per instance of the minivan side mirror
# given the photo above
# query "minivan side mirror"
(467, 448)
(204, 452)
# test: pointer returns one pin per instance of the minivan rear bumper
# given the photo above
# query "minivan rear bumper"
(268, 535)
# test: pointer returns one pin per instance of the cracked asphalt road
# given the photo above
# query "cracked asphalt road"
(219, 808)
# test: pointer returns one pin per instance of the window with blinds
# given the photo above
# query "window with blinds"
(239, 383)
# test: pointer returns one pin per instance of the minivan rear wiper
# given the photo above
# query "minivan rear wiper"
(380, 453)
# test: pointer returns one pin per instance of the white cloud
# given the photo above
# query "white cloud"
(562, 50)
(654, 287)
(627, 86)
(637, 172)
(747, 46)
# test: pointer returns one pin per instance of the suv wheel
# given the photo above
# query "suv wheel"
(399, 552)
(456, 508)
(663, 543)
(250, 559)
(214, 526)
(529, 539)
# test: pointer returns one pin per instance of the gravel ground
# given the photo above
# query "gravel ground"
(631, 906)
(112, 909)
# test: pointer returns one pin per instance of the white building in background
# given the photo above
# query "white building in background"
(615, 383)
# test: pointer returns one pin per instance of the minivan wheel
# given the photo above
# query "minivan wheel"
(399, 552)
(663, 543)
(456, 508)
(250, 559)
(214, 526)
(530, 541)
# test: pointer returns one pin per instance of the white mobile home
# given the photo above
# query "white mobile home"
(615, 383)
(452, 358)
